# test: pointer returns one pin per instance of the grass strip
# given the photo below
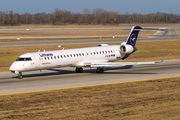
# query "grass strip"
(58, 39)
(86, 35)
(150, 99)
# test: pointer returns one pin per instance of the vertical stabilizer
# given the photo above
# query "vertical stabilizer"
(131, 40)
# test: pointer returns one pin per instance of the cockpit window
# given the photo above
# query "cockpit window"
(17, 59)
(24, 59)
(21, 59)
(28, 59)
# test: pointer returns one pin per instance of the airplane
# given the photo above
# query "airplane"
(98, 57)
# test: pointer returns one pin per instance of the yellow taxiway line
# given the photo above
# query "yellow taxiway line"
(177, 32)
(155, 32)
(87, 86)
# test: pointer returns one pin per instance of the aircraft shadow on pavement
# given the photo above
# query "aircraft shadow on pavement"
(56, 72)
(92, 71)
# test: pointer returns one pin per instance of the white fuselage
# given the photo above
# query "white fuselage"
(80, 57)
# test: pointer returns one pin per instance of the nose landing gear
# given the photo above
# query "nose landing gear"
(20, 75)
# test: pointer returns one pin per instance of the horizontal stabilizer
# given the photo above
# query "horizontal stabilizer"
(146, 29)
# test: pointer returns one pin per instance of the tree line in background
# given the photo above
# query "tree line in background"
(97, 16)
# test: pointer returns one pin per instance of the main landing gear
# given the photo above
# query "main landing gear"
(99, 70)
(79, 70)
(20, 75)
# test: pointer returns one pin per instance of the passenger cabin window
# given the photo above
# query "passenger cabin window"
(64, 56)
(82, 54)
(74, 55)
(79, 54)
(54, 57)
(58, 56)
(67, 55)
(71, 55)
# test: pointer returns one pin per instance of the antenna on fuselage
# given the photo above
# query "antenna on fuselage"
(38, 50)
(59, 46)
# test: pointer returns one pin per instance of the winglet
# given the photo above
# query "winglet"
(164, 58)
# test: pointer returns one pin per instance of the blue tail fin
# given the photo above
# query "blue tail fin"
(131, 40)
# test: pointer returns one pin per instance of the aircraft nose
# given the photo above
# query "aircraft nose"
(12, 67)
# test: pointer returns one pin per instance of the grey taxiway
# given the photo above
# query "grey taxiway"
(66, 77)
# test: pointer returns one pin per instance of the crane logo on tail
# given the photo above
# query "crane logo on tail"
(133, 39)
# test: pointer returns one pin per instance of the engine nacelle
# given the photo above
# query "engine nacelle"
(127, 49)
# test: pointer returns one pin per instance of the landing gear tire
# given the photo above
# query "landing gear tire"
(99, 70)
(79, 70)
(20, 75)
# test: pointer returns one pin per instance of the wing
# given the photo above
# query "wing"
(116, 64)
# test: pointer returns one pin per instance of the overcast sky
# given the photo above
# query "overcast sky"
(121, 6)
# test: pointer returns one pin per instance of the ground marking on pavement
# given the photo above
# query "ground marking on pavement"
(177, 32)
(155, 32)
